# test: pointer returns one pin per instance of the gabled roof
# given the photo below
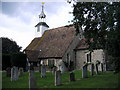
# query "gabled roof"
(42, 23)
(32, 55)
(81, 45)
(53, 43)
(33, 43)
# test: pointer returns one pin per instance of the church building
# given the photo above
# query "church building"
(60, 47)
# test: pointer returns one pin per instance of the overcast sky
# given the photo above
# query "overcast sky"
(18, 19)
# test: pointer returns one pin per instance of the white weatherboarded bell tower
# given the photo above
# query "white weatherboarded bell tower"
(41, 26)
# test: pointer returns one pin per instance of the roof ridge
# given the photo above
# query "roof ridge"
(67, 26)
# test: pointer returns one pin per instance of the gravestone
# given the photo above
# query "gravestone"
(62, 69)
(84, 71)
(54, 70)
(8, 72)
(102, 67)
(32, 80)
(43, 71)
(20, 71)
(58, 78)
(92, 69)
(39, 67)
(72, 76)
(14, 74)
(96, 69)
(31, 67)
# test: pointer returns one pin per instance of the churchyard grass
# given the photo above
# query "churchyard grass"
(104, 80)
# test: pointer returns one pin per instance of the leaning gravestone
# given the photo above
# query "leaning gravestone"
(102, 67)
(72, 76)
(96, 69)
(8, 72)
(39, 67)
(43, 71)
(32, 80)
(20, 71)
(14, 74)
(84, 71)
(54, 70)
(92, 69)
(58, 78)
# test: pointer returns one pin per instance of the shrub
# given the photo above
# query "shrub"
(6, 61)
(19, 60)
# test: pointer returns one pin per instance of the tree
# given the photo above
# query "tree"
(9, 46)
(19, 60)
(101, 25)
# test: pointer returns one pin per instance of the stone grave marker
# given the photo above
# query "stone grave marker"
(72, 76)
(8, 72)
(62, 69)
(92, 69)
(58, 78)
(96, 69)
(43, 71)
(32, 80)
(31, 67)
(39, 67)
(20, 71)
(84, 71)
(14, 74)
(54, 70)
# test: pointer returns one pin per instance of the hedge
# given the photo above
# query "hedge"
(19, 60)
(6, 61)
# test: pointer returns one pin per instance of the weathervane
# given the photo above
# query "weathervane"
(42, 15)
(43, 2)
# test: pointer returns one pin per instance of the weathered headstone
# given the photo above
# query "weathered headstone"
(54, 70)
(58, 78)
(39, 67)
(92, 69)
(72, 76)
(62, 69)
(20, 71)
(84, 71)
(31, 67)
(96, 69)
(32, 80)
(43, 71)
(102, 67)
(14, 74)
(105, 66)
(8, 72)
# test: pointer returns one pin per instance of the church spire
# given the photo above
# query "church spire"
(41, 27)
(42, 15)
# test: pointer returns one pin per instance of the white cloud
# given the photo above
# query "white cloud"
(23, 33)
(17, 30)
(61, 17)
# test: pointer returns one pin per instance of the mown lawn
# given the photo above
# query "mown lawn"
(104, 80)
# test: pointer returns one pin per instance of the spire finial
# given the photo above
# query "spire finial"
(42, 15)
(43, 6)
(43, 3)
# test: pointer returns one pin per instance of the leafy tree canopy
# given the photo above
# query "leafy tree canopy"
(9, 46)
(100, 22)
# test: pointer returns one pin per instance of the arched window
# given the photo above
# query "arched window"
(89, 57)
